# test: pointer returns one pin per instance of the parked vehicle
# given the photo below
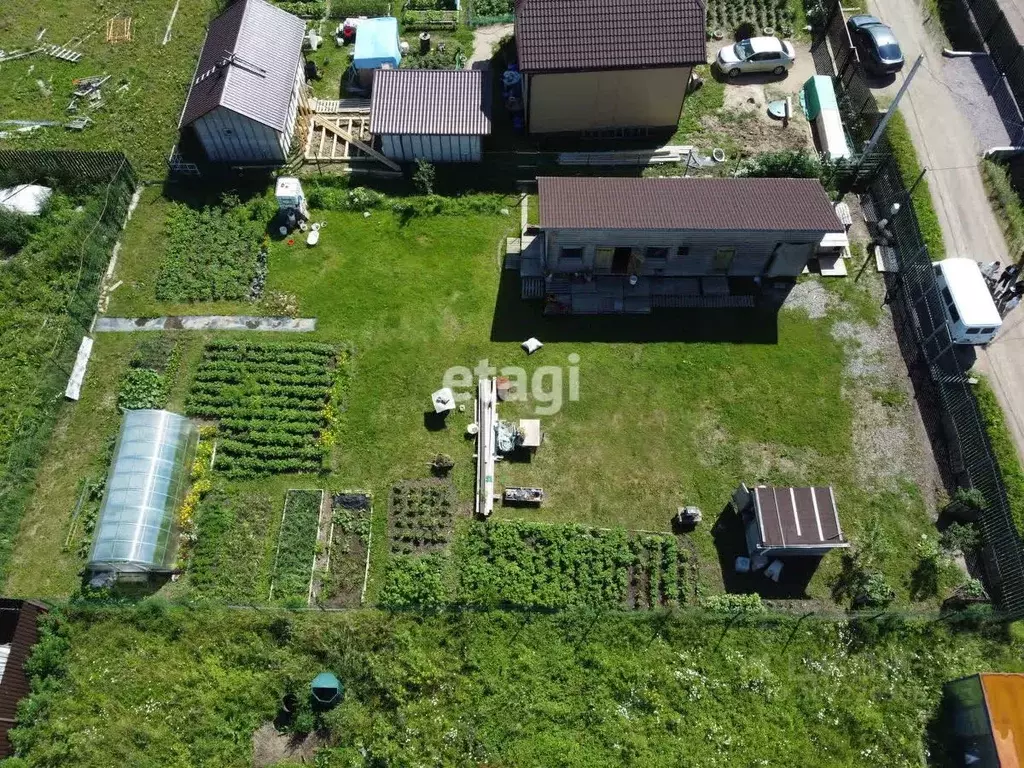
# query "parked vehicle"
(880, 52)
(757, 54)
(971, 314)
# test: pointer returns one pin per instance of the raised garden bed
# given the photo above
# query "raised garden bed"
(421, 516)
(296, 545)
(348, 548)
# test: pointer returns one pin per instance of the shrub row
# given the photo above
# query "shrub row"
(1006, 202)
(332, 198)
(910, 169)
(1004, 448)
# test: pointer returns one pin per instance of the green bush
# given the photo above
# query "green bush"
(910, 169)
(1004, 448)
(142, 388)
(492, 7)
(729, 603)
(414, 582)
(783, 164)
(15, 231)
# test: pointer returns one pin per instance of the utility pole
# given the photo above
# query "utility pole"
(892, 107)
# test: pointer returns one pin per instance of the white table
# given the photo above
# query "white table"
(531, 432)
(443, 400)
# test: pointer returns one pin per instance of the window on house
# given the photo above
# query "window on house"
(570, 254)
(657, 254)
(683, 251)
(723, 259)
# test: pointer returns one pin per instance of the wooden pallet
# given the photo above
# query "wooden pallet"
(338, 106)
(59, 52)
(119, 30)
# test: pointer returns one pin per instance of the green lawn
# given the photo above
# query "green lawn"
(672, 420)
(148, 81)
(152, 686)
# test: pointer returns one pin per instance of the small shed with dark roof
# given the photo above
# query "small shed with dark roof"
(435, 115)
(788, 521)
(607, 65)
(244, 99)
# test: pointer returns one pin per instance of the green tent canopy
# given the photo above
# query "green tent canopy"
(326, 689)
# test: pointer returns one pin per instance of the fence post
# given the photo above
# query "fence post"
(916, 182)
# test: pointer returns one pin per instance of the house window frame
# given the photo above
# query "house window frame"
(664, 250)
(571, 261)
(719, 270)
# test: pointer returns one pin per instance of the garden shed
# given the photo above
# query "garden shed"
(985, 715)
(781, 521)
(436, 115)
(137, 529)
(244, 99)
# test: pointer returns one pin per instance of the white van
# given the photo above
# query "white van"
(971, 313)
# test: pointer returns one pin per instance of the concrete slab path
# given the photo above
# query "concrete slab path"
(205, 323)
(947, 146)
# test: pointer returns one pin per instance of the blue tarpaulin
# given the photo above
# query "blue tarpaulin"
(377, 43)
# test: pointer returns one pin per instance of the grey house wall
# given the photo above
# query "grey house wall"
(405, 147)
(229, 137)
(754, 250)
(298, 97)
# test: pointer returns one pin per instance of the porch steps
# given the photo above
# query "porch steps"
(532, 287)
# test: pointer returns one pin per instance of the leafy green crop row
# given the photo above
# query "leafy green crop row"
(273, 402)
(296, 545)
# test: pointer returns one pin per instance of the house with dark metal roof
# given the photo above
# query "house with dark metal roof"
(789, 521)
(607, 66)
(244, 99)
(635, 244)
(436, 115)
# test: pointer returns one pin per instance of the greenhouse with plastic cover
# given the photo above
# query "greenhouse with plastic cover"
(137, 527)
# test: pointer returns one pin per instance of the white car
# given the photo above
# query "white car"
(758, 54)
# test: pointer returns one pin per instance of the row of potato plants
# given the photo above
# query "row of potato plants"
(296, 545)
(272, 402)
(562, 566)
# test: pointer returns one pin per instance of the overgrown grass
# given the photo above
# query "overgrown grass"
(148, 81)
(1006, 203)
(910, 171)
(1003, 447)
(706, 101)
(179, 688)
(296, 545)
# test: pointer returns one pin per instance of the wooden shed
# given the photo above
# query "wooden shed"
(244, 99)
(436, 115)
(19, 631)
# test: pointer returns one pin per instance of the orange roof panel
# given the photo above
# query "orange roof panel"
(1004, 698)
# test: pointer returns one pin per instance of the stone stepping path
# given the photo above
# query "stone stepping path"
(205, 323)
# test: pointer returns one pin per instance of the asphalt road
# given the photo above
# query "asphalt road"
(947, 147)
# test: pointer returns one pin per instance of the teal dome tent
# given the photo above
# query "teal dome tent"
(326, 689)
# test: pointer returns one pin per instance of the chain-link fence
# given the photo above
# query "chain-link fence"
(104, 182)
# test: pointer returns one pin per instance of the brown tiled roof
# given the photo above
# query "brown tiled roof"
(435, 102)
(573, 35)
(686, 203)
(268, 44)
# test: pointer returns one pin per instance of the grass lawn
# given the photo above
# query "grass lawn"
(140, 120)
(658, 424)
(183, 687)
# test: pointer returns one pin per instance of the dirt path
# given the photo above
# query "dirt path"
(948, 148)
(484, 40)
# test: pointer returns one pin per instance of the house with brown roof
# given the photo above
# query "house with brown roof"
(634, 244)
(244, 99)
(607, 66)
(438, 115)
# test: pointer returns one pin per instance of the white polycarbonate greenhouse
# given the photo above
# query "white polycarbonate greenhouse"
(137, 527)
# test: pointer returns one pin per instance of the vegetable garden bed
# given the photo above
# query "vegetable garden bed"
(232, 557)
(296, 545)
(421, 517)
(272, 402)
(348, 549)
(562, 566)
(727, 16)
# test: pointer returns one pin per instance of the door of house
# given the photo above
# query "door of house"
(723, 260)
(603, 259)
(789, 260)
(620, 260)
